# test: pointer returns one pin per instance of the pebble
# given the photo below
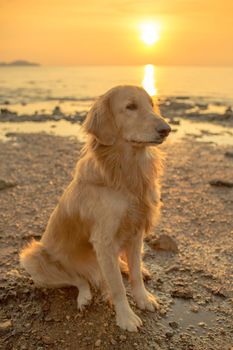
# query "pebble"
(202, 324)
(47, 340)
(48, 319)
(98, 343)
(173, 324)
(229, 154)
(6, 184)
(169, 334)
(123, 337)
(182, 292)
(5, 326)
(162, 312)
(194, 309)
(221, 183)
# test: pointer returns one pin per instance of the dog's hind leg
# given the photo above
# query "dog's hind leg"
(125, 269)
(84, 293)
(46, 271)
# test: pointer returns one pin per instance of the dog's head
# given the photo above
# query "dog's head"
(128, 113)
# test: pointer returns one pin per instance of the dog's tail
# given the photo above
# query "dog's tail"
(43, 269)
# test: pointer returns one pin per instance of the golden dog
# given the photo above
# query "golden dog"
(112, 201)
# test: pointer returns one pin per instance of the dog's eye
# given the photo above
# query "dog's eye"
(132, 106)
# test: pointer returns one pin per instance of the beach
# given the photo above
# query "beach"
(191, 272)
(66, 62)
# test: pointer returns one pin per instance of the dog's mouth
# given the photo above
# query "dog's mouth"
(151, 142)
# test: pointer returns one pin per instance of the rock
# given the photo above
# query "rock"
(7, 111)
(229, 154)
(222, 331)
(201, 105)
(182, 292)
(172, 269)
(228, 112)
(10, 134)
(164, 242)
(48, 319)
(47, 340)
(176, 105)
(173, 324)
(123, 337)
(194, 309)
(5, 326)
(162, 312)
(202, 324)
(220, 292)
(221, 183)
(5, 184)
(169, 334)
(174, 122)
(57, 111)
(98, 343)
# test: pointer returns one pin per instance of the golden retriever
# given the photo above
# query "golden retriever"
(111, 203)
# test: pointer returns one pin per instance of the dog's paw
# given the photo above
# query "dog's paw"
(83, 299)
(128, 320)
(146, 301)
(146, 274)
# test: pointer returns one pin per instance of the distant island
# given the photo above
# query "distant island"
(18, 63)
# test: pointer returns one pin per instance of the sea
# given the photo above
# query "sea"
(29, 89)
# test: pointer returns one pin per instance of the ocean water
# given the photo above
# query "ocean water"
(30, 89)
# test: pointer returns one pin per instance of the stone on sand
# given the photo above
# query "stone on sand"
(5, 184)
(5, 326)
(165, 243)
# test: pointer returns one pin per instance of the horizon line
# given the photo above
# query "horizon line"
(116, 65)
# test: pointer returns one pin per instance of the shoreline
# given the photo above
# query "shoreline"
(75, 110)
(193, 120)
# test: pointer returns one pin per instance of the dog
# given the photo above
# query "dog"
(111, 203)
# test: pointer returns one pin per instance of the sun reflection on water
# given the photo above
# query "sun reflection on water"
(148, 80)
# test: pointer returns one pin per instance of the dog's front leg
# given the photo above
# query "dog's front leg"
(107, 257)
(144, 299)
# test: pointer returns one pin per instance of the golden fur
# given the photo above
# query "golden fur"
(112, 201)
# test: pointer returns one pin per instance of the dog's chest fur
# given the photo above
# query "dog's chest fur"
(136, 175)
(143, 209)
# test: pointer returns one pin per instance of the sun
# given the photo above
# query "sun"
(149, 33)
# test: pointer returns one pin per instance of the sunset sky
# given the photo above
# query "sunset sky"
(70, 32)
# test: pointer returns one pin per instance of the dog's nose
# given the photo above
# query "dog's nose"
(164, 130)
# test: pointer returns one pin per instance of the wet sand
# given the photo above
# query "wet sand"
(194, 285)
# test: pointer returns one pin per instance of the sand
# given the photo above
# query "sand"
(194, 285)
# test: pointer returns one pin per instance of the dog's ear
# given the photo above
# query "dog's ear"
(100, 121)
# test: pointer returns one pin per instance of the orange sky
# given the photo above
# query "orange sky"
(69, 32)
